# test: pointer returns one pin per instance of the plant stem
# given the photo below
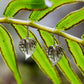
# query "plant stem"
(41, 27)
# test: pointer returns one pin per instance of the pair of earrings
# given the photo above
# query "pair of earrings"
(28, 45)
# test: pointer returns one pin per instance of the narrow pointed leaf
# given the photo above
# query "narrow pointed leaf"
(38, 15)
(71, 20)
(8, 52)
(39, 55)
(15, 6)
(82, 36)
(77, 54)
(63, 64)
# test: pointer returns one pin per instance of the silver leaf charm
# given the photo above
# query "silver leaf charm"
(55, 53)
(27, 46)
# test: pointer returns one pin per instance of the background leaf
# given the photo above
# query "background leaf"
(39, 55)
(82, 36)
(8, 52)
(63, 64)
(71, 20)
(15, 6)
(38, 15)
(77, 54)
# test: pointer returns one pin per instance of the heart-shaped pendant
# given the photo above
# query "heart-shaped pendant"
(55, 53)
(27, 46)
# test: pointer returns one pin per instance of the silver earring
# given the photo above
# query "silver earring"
(27, 45)
(55, 53)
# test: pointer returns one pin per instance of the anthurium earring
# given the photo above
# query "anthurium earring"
(27, 45)
(55, 53)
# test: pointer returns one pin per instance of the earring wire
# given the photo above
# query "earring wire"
(27, 33)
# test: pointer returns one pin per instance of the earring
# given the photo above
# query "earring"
(27, 45)
(55, 53)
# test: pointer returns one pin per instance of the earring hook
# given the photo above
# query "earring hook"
(27, 33)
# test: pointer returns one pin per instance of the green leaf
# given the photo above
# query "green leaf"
(77, 54)
(38, 15)
(49, 39)
(8, 52)
(15, 6)
(63, 64)
(39, 55)
(71, 20)
(82, 36)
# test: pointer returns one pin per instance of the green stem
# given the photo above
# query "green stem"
(41, 27)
